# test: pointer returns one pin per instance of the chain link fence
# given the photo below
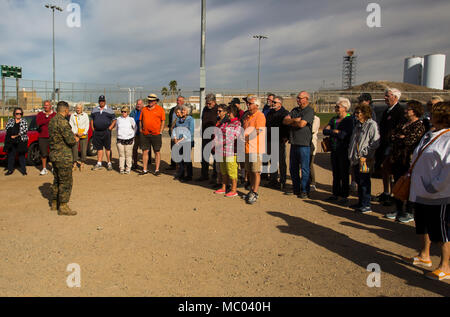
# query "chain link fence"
(30, 94)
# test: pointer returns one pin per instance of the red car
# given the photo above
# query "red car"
(33, 156)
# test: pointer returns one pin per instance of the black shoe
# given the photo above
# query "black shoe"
(24, 173)
(157, 173)
(186, 179)
(9, 173)
(143, 173)
(303, 195)
(283, 187)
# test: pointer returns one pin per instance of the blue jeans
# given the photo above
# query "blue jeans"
(299, 157)
(364, 187)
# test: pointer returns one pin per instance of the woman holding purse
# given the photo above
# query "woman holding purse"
(79, 121)
(430, 191)
(16, 141)
(405, 138)
(364, 141)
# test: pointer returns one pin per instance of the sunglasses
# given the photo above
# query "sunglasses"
(18, 113)
(124, 111)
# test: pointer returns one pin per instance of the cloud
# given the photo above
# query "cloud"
(149, 43)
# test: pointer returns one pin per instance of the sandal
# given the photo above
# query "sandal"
(417, 261)
(438, 275)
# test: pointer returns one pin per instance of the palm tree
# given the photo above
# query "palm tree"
(173, 87)
(164, 93)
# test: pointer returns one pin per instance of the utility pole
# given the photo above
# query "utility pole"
(202, 58)
(259, 37)
(53, 8)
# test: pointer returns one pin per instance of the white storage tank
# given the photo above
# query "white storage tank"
(412, 73)
(434, 71)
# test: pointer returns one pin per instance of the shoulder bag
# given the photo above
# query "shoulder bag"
(402, 186)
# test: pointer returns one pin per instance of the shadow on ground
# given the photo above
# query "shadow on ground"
(357, 252)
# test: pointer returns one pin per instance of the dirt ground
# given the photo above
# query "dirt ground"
(153, 236)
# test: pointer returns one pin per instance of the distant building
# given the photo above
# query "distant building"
(29, 100)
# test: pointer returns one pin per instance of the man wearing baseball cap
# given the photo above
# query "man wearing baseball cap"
(103, 120)
(152, 121)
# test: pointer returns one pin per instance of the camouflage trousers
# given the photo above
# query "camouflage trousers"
(62, 182)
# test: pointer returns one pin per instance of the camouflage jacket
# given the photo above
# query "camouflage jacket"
(61, 139)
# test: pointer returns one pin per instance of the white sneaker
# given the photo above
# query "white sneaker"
(312, 188)
(43, 172)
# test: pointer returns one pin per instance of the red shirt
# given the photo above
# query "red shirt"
(42, 121)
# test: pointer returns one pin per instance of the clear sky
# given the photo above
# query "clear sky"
(151, 42)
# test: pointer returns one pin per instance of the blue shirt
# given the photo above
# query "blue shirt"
(136, 114)
(180, 129)
(102, 119)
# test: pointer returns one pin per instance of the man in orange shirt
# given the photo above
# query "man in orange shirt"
(152, 121)
(254, 124)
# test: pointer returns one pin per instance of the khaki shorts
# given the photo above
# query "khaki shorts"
(253, 162)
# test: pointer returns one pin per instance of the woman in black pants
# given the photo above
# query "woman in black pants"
(340, 130)
(16, 141)
(405, 139)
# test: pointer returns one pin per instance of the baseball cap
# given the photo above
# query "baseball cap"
(101, 98)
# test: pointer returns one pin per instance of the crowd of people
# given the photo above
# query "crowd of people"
(249, 145)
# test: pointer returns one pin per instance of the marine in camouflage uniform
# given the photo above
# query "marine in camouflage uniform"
(61, 142)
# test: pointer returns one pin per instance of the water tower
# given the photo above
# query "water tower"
(434, 71)
(412, 73)
(349, 69)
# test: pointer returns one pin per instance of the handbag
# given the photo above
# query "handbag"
(80, 131)
(402, 186)
(326, 144)
(363, 167)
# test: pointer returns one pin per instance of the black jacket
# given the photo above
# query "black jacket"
(341, 140)
(389, 121)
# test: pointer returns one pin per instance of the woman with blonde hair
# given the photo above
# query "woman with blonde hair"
(126, 131)
(79, 122)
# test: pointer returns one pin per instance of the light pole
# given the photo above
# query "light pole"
(202, 56)
(259, 37)
(53, 8)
